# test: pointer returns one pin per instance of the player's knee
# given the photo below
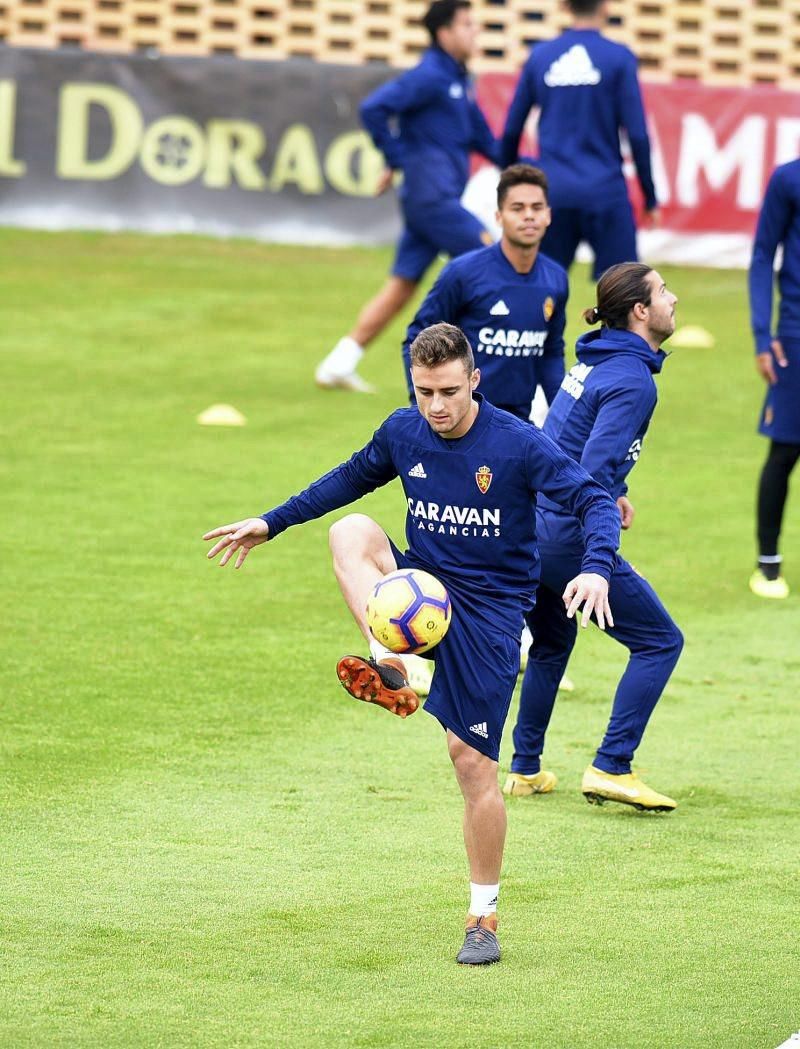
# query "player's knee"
(675, 642)
(351, 531)
(476, 772)
(671, 644)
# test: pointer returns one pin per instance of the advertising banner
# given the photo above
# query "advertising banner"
(216, 145)
(275, 151)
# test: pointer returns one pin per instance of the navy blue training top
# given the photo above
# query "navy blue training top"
(470, 502)
(426, 123)
(587, 89)
(514, 323)
(778, 223)
(600, 417)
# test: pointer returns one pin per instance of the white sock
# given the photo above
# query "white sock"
(379, 651)
(344, 357)
(483, 899)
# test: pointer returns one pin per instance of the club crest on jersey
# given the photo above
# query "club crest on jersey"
(548, 308)
(483, 479)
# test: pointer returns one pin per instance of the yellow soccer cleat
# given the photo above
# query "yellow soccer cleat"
(777, 589)
(519, 786)
(599, 787)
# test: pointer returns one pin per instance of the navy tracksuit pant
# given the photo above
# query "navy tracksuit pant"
(641, 623)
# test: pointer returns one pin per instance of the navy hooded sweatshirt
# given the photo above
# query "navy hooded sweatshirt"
(426, 122)
(599, 417)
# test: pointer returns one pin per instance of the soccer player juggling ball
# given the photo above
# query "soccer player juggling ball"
(600, 417)
(479, 539)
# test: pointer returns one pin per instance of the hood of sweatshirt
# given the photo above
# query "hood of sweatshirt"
(597, 346)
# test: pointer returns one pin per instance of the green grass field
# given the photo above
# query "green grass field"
(205, 843)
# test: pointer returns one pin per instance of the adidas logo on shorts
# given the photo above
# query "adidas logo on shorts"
(480, 730)
(417, 471)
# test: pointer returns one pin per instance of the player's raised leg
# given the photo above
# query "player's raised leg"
(362, 555)
(484, 838)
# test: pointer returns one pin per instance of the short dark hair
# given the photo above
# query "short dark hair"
(439, 344)
(619, 289)
(584, 7)
(441, 14)
(518, 175)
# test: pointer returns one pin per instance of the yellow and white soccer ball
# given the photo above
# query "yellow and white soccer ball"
(409, 611)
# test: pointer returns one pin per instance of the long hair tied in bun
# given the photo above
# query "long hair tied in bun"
(618, 291)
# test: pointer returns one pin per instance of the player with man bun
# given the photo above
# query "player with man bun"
(600, 417)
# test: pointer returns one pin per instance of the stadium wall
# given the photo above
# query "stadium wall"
(274, 150)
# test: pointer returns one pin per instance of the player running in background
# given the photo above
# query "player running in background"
(426, 123)
(587, 89)
(470, 474)
(600, 417)
(509, 300)
(778, 223)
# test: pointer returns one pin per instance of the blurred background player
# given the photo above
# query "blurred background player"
(426, 123)
(600, 417)
(508, 299)
(587, 89)
(490, 569)
(778, 223)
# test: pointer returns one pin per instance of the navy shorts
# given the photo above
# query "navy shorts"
(445, 227)
(475, 671)
(610, 233)
(780, 416)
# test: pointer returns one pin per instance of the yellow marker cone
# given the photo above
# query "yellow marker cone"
(692, 336)
(221, 415)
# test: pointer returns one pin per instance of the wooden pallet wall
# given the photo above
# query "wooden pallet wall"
(734, 42)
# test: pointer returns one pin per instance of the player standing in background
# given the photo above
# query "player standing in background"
(426, 123)
(587, 90)
(470, 474)
(600, 417)
(509, 300)
(778, 223)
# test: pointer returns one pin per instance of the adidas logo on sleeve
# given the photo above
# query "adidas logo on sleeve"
(480, 729)
(573, 69)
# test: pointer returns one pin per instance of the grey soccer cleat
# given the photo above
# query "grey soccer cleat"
(480, 943)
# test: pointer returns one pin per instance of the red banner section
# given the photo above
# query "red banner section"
(713, 148)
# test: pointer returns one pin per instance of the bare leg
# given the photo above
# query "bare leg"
(361, 556)
(484, 811)
(380, 309)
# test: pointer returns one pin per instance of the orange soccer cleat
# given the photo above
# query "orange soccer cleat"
(383, 683)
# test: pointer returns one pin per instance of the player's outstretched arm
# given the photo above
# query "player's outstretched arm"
(591, 591)
(240, 536)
